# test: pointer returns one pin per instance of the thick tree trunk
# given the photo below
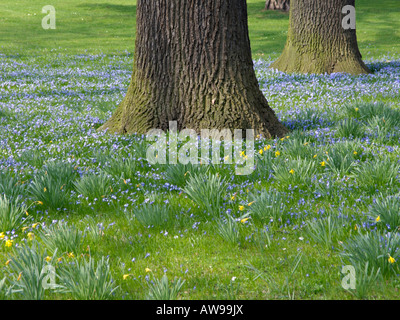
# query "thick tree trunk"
(277, 5)
(193, 65)
(317, 41)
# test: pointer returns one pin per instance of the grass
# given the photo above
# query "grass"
(274, 234)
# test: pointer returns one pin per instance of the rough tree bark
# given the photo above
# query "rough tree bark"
(193, 65)
(317, 41)
(277, 5)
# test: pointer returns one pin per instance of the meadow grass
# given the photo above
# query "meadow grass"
(283, 232)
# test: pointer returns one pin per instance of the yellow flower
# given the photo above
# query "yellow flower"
(9, 243)
(315, 156)
(250, 203)
(391, 259)
(7, 262)
(277, 154)
(59, 259)
(2, 235)
(26, 212)
(45, 189)
(356, 109)
(126, 276)
(323, 164)
(39, 202)
(226, 158)
(267, 148)
(147, 270)
(244, 220)
(261, 151)
(31, 235)
(48, 258)
(19, 276)
(242, 154)
(70, 255)
(291, 171)
(355, 153)
(35, 225)
(378, 219)
(355, 227)
(241, 208)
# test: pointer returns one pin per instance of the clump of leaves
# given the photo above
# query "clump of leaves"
(12, 213)
(207, 190)
(164, 290)
(94, 185)
(88, 280)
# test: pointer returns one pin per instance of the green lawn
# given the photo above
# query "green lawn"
(58, 86)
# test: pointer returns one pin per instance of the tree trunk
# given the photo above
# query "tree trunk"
(317, 41)
(277, 5)
(193, 65)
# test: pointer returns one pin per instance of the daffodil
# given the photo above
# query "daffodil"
(126, 276)
(241, 208)
(31, 235)
(2, 235)
(391, 259)
(19, 276)
(48, 259)
(70, 255)
(39, 202)
(261, 151)
(277, 153)
(323, 164)
(378, 219)
(251, 203)
(244, 220)
(9, 243)
(147, 270)
(291, 171)
(35, 225)
(7, 262)
(267, 147)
